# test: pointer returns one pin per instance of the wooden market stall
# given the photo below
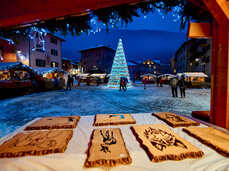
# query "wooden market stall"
(49, 75)
(15, 13)
(149, 77)
(195, 79)
(166, 78)
(16, 79)
(101, 78)
(82, 77)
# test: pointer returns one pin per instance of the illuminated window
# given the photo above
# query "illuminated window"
(54, 64)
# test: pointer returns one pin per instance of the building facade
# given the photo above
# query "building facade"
(7, 53)
(181, 59)
(193, 56)
(71, 66)
(31, 52)
(200, 56)
(143, 67)
(97, 59)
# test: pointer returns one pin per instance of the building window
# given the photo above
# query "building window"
(40, 62)
(54, 64)
(54, 52)
(40, 48)
(85, 63)
(53, 40)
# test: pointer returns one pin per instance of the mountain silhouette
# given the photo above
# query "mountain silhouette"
(138, 44)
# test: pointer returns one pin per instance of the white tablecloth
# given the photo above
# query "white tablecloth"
(74, 156)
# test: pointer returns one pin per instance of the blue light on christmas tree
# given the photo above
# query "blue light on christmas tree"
(119, 68)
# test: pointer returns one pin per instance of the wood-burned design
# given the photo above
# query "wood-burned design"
(70, 119)
(36, 143)
(176, 118)
(161, 139)
(108, 139)
(38, 139)
(117, 116)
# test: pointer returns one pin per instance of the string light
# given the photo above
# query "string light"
(38, 38)
(119, 68)
(96, 25)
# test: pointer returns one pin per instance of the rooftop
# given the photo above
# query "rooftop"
(95, 47)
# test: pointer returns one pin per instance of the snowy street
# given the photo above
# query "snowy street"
(91, 100)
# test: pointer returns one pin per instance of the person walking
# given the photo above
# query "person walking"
(121, 85)
(88, 81)
(174, 85)
(56, 83)
(157, 81)
(161, 82)
(72, 80)
(124, 85)
(97, 81)
(78, 80)
(69, 82)
(145, 82)
(182, 85)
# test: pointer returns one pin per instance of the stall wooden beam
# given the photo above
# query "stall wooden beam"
(220, 62)
(199, 3)
(23, 12)
(220, 75)
(219, 9)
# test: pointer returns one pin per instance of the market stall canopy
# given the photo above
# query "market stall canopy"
(166, 75)
(51, 70)
(82, 75)
(148, 75)
(194, 74)
(17, 66)
(25, 12)
(98, 75)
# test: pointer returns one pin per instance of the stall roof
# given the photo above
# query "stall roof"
(194, 74)
(82, 75)
(98, 75)
(17, 66)
(51, 70)
(148, 75)
(166, 75)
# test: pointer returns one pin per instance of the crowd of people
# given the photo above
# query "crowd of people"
(174, 83)
(123, 83)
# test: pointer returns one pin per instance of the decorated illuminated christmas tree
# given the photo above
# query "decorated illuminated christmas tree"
(119, 68)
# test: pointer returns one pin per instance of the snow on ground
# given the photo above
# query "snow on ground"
(91, 100)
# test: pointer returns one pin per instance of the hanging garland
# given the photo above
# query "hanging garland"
(111, 16)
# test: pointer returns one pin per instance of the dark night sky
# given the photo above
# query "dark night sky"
(152, 37)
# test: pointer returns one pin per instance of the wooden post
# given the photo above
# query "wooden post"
(220, 74)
